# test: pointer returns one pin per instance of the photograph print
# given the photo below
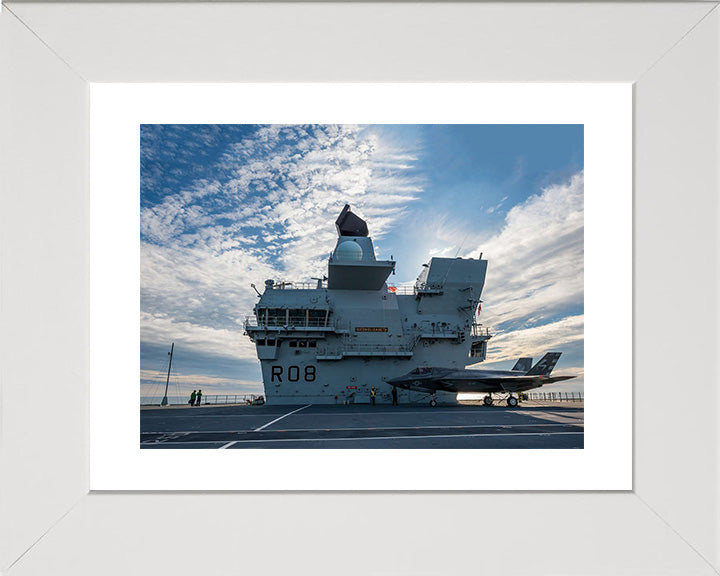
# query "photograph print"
(362, 286)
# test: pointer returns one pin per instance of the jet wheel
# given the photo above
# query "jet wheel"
(433, 402)
(488, 401)
(512, 401)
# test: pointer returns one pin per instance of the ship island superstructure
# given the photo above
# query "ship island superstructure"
(332, 340)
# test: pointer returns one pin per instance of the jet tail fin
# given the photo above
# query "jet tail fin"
(545, 365)
(523, 364)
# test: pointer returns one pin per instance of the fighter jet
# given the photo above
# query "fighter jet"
(519, 379)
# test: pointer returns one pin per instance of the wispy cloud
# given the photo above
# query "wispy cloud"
(535, 274)
(537, 340)
(269, 213)
(537, 260)
(497, 206)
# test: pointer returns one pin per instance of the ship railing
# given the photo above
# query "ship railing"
(204, 399)
(251, 322)
(402, 290)
(420, 286)
(439, 331)
(228, 398)
(557, 396)
(416, 288)
(299, 285)
(374, 348)
(480, 330)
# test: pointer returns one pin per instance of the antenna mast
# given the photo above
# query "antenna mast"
(167, 382)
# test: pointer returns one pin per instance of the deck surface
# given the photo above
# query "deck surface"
(532, 425)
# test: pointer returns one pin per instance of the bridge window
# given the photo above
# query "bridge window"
(261, 342)
(292, 343)
(298, 317)
(316, 317)
(293, 317)
(271, 342)
(312, 344)
(302, 343)
(276, 317)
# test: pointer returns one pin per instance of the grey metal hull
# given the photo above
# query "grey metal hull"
(333, 342)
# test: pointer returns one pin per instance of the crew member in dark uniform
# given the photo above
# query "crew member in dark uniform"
(192, 398)
(394, 396)
(372, 395)
(199, 396)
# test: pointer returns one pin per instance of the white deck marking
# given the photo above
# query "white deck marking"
(227, 445)
(445, 426)
(194, 416)
(382, 438)
(281, 417)
(326, 429)
(426, 411)
(408, 437)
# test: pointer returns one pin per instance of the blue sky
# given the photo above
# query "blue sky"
(224, 206)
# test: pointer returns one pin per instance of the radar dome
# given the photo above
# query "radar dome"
(349, 250)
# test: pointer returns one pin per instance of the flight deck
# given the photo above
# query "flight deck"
(534, 424)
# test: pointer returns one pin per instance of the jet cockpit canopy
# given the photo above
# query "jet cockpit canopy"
(423, 370)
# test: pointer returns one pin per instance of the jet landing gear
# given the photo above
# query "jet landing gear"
(433, 401)
(488, 400)
(512, 401)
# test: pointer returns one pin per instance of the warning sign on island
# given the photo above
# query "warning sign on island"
(369, 329)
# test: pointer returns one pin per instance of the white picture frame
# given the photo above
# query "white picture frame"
(668, 523)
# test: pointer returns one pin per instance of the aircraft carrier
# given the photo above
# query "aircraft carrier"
(333, 341)
(335, 353)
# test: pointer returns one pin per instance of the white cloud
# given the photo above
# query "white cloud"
(536, 341)
(535, 281)
(271, 217)
(497, 206)
(212, 340)
(536, 262)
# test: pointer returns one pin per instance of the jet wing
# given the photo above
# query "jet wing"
(518, 385)
(521, 383)
(508, 383)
